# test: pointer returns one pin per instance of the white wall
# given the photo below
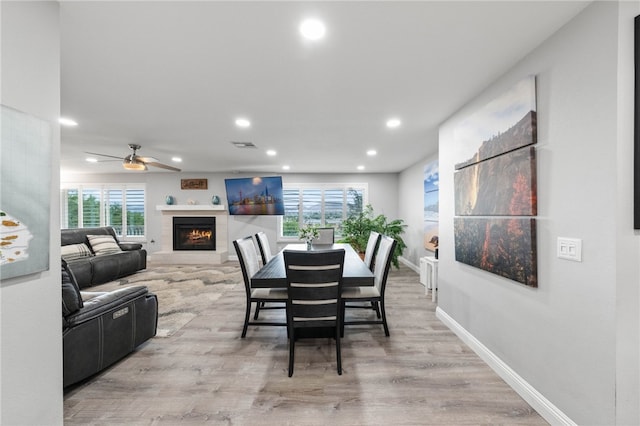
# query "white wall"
(383, 196)
(411, 206)
(31, 334)
(564, 337)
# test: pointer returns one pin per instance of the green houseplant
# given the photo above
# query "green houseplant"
(357, 227)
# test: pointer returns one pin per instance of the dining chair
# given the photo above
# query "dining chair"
(248, 257)
(372, 294)
(325, 236)
(314, 284)
(372, 248)
(263, 245)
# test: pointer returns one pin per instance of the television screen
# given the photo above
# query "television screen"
(255, 196)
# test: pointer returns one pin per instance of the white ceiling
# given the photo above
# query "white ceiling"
(173, 76)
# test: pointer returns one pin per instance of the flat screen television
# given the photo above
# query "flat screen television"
(255, 196)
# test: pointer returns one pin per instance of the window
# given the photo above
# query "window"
(92, 205)
(323, 205)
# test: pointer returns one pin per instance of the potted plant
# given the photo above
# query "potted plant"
(357, 227)
(308, 233)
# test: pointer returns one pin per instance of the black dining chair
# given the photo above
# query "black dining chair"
(263, 245)
(372, 294)
(314, 284)
(248, 257)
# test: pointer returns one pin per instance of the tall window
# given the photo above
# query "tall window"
(117, 205)
(323, 205)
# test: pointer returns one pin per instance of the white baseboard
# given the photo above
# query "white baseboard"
(412, 266)
(542, 405)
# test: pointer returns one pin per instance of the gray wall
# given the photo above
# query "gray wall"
(383, 196)
(565, 338)
(31, 352)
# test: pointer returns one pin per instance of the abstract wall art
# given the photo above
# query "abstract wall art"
(25, 177)
(431, 205)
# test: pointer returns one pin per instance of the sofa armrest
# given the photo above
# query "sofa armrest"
(104, 303)
(125, 246)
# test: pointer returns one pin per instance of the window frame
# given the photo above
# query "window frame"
(362, 186)
(105, 203)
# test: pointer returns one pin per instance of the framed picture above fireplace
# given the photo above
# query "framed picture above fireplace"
(255, 196)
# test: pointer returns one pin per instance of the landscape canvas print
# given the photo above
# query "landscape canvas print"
(495, 187)
(501, 186)
(431, 205)
(24, 194)
(504, 124)
(506, 247)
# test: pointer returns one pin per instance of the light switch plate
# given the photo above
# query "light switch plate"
(570, 249)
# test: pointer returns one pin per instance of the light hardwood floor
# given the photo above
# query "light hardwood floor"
(206, 374)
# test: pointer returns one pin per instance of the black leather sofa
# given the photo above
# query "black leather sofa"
(104, 327)
(91, 269)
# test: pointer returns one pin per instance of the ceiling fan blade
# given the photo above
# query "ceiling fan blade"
(146, 159)
(162, 166)
(103, 155)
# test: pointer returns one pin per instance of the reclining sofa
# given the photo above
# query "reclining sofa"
(95, 256)
(99, 328)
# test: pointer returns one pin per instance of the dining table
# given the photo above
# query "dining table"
(355, 272)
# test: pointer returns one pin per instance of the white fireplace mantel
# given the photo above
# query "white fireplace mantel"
(190, 207)
(168, 256)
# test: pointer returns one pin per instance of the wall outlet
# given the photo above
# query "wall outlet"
(570, 249)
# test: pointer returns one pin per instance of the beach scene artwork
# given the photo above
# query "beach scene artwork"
(431, 205)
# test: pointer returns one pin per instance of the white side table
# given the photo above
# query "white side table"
(432, 276)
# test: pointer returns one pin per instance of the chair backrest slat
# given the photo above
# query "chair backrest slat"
(383, 262)
(263, 245)
(248, 257)
(372, 248)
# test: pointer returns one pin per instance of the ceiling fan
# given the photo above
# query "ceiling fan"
(136, 162)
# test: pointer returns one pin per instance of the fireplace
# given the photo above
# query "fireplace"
(194, 233)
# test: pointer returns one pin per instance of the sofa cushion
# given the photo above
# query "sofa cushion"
(75, 251)
(103, 244)
(71, 298)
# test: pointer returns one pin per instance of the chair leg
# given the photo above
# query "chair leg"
(246, 318)
(384, 318)
(255, 315)
(342, 311)
(292, 343)
(375, 307)
(338, 357)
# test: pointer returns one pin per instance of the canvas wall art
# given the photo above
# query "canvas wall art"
(501, 186)
(25, 177)
(503, 246)
(431, 205)
(495, 187)
(504, 124)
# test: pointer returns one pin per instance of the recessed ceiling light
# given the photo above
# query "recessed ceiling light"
(285, 167)
(271, 152)
(67, 121)
(372, 152)
(393, 123)
(243, 122)
(91, 160)
(360, 167)
(312, 29)
(176, 159)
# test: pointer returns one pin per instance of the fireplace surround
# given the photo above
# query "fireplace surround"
(167, 255)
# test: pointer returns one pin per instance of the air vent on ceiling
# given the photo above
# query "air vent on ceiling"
(243, 144)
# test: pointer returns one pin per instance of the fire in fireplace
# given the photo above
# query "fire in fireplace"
(194, 233)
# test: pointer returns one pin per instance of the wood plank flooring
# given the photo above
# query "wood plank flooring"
(206, 374)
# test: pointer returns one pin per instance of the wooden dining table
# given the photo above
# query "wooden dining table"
(355, 273)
